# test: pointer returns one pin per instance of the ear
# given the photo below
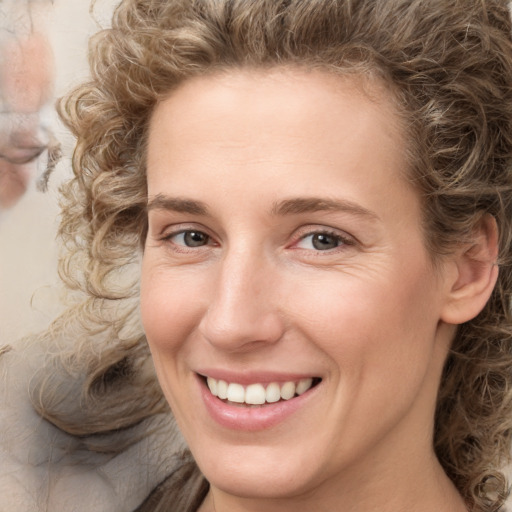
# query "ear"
(474, 274)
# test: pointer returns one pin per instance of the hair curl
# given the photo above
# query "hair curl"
(449, 66)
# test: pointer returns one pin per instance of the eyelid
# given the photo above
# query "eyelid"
(165, 230)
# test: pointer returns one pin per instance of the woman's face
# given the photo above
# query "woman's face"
(285, 255)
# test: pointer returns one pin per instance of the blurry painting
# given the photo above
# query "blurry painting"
(26, 88)
(43, 53)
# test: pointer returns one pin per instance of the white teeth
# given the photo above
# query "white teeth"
(288, 390)
(212, 385)
(273, 392)
(257, 394)
(303, 386)
(236, 393)
(222, 389)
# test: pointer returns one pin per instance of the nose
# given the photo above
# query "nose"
(243, 313)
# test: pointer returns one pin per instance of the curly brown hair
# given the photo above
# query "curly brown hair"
(449, 66)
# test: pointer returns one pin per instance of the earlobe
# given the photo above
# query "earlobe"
(475, 274)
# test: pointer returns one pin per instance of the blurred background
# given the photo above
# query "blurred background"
(43, 53)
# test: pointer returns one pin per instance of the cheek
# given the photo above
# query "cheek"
(14, 180)
(165, 307)
(375, 324)
(169, 313)
(382, 348)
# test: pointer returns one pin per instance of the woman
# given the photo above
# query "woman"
(320, 192)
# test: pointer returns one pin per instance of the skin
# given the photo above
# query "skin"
(27, 76)
(369, 316)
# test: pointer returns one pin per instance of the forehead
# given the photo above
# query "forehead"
(276, 94)
(287, 88)
(283, 116)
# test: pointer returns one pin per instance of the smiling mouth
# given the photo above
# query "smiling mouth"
(259, 394)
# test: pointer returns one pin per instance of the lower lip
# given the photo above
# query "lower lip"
(249, 418)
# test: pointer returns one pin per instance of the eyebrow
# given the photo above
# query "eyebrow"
(177, 204)
(291, 206)
(300, 205)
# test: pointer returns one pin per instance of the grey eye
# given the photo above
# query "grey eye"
(324, 241)
(194, 238)
(320, 241)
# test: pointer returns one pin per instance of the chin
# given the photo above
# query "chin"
(259, 485)
(254, 472)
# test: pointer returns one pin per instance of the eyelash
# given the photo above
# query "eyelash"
(341, 240)
(182, 247)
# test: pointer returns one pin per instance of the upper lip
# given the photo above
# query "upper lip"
(252, 376)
